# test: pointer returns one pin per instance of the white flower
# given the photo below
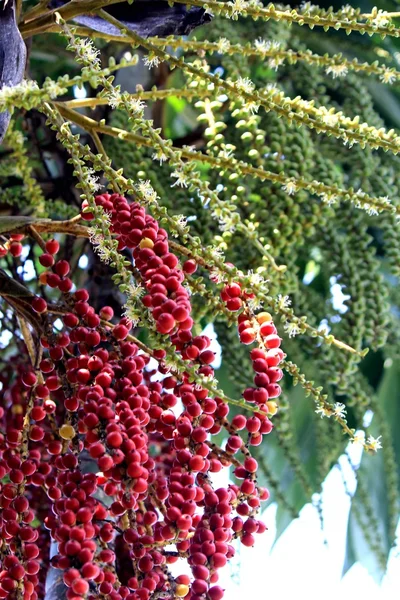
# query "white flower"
(217, 253)
(114, 98)
(283, 302)
(215, 275)
(103, 252)
(324, 411)
(374, 443)
(292, 329)
(254, 304)
(237, 7)
(92, 180)
(152, 61)
(290, 187)
(388, 76)
(337, 70)
(262, 46)
(147, 191)
(95, 237)
(181, 179)
(339, 410)
(180, 222)
(159, 155)
(328, 198)
(87, 50)
(54, 89)
(381, 18)
(223, 45)
(329, 118)
(136, 106)
(256, 279)
(245, 85)
(276, 62)
(251, 107)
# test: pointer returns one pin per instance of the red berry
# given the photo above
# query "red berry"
(15, 249)
(39, 304)
(46, 260)
(189, 267)
(165, 323)
(52, 246)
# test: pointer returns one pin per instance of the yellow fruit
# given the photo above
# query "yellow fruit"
(263, 317)
(181, 590)
(67, 432)
(146, 243)
(272, 408)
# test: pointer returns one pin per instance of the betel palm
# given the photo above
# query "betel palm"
(247, 178)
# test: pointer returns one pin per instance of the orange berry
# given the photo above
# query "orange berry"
(263, 317)
(272, 408)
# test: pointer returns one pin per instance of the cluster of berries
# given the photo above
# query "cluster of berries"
(115, 458)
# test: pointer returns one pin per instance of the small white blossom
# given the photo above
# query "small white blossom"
(262, 46)
(276, 62)
(238, 6)
(114, 98)
(225, 154)
(254, 304)
(374, 443)
(53, 88)
(181, 179)
(147, 191)
(371, 210)
(160, 156)
(283, 302)
(290, 187)
(223, 45)
(245, 85)
(103, 252)
(256, 278)
(152, 61)
(388, 76)
(180, 222)
(328, 198)
(337, 71)
(95, 237)
(339, 410)
(92, 180)
(217, 253)
(380, 18)
(215, 275)
(324, 411)
(136, 106)
(87, 50)
(23, 89)
(292, 329)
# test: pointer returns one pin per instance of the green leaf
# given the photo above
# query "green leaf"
(303, 426)
(370, 545)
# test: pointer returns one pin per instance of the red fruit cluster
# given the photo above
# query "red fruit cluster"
(115, 460)
(166, 297)
(265, 358)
